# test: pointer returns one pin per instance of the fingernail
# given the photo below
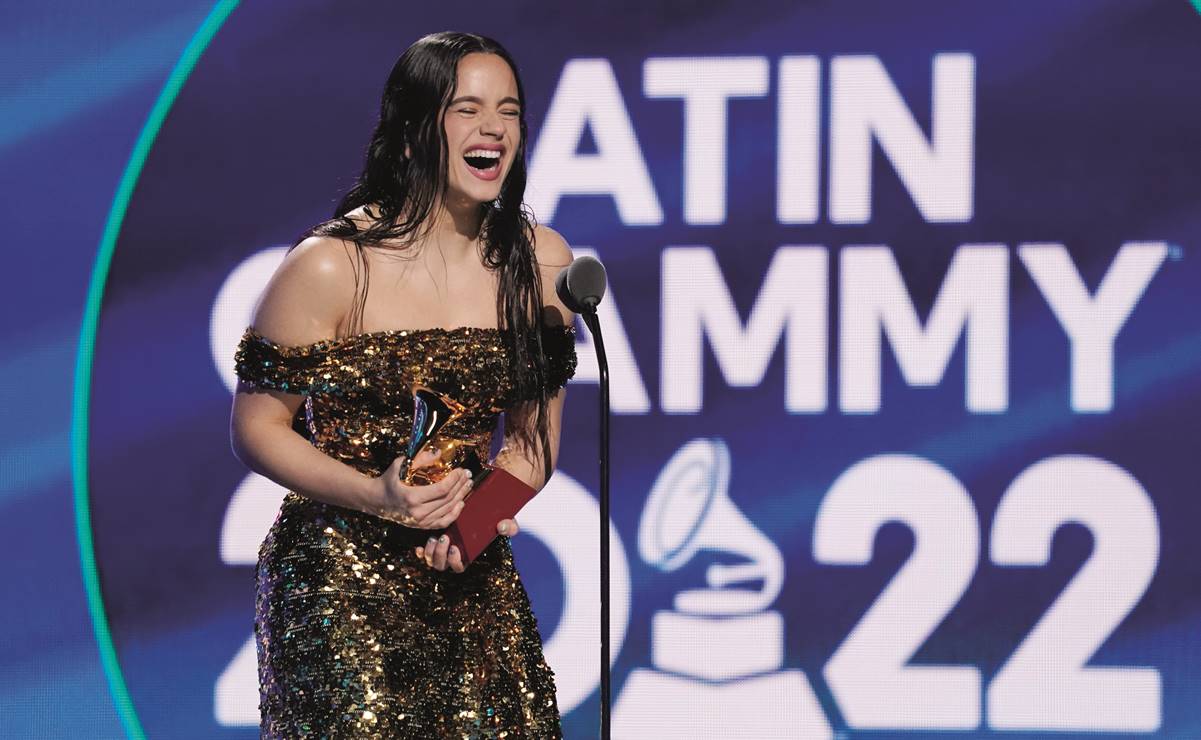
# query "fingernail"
(453, 550)
(443, 539)
(504, 529)
(430, 542)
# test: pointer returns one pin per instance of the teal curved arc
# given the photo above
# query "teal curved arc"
(84, 359)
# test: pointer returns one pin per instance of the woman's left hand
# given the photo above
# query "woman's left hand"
(439, 554)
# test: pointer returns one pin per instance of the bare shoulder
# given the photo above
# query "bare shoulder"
(364, 216)
(550, 248)
(553, 255)
(310, 294)
(320, 259)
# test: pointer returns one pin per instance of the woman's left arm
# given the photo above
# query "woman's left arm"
(521, 455)
(523, 459)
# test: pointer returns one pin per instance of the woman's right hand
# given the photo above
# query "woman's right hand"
(433, 506)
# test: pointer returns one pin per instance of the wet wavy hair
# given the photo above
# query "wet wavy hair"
(402, 189)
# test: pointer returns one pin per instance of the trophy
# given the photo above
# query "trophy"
(495, 493)
(432, 411)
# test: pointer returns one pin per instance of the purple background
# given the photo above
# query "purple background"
(1087, 133)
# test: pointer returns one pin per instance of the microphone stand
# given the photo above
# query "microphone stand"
(593, 324)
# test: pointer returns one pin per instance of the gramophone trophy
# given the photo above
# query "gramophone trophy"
(495, 493)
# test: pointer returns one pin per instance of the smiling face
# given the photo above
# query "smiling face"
(482, 125)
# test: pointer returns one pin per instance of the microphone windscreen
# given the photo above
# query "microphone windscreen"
(564, 294)
(581, 285)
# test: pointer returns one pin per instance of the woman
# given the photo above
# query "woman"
(368, 624)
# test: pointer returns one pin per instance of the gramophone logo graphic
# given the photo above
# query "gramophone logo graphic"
(718, 654)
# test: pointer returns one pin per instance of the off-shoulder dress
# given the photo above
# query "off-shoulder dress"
(356, 636)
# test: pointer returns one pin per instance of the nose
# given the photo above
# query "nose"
(491, 125)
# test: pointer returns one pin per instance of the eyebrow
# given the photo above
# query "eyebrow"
(478, 101)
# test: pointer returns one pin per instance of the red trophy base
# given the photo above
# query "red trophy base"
(499, 495)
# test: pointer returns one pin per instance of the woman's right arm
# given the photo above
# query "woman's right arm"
(306, 302)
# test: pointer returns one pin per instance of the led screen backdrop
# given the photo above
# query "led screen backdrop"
(905, 339)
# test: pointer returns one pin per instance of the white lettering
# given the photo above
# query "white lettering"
(865, 104)
(705, 84)
(798, 137)
(1092, 323)
(587, 95)
(973, 299)
(696, 303)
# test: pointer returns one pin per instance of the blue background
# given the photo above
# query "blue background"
(1088, 131)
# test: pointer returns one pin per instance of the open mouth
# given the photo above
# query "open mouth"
(482, 159)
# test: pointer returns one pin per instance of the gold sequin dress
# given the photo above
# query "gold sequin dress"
(357, 637)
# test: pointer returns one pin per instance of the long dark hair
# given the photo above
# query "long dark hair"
(405, 175)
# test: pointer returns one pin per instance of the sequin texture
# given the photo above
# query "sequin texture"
(356, 636)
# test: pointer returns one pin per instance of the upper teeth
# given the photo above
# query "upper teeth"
(488, 153)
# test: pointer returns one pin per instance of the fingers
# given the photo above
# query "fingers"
(461, 487)
(435, 551)
(439, 512)
(455, 560)
(435, 492)
(425, 458)
(507, 527)
(439, 554)
(445, 515)
(396, 468)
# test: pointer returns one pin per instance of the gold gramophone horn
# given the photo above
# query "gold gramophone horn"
(432, 411)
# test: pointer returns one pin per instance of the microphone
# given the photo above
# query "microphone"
(581, 285)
